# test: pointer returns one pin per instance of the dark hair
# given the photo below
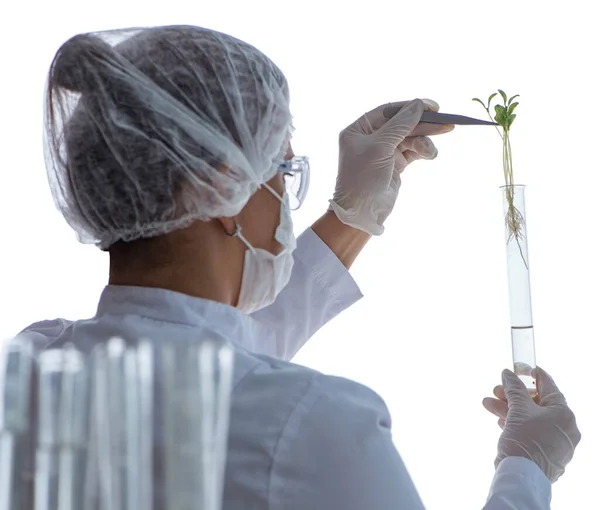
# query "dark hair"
(66, 71)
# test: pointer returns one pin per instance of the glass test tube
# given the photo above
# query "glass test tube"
(517, 257)
(62, 417)
(122, 464)
(111, 424)
(100, 492)
(181, 447)
(73, 421)
(223, 355)
(16, 371)
(197, 380)
(139, 427)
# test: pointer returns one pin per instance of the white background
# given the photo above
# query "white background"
(432, 334)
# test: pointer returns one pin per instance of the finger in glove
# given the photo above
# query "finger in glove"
(497, 407)
(422, 145)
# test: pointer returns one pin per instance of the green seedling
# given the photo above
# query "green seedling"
(504, 115)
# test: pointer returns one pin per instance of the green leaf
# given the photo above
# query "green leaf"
(503, 94)
(490, 99)
(500, 118)
(512, 99)
(479, 101)
(512, 107)
(499, 108)
(511, 119)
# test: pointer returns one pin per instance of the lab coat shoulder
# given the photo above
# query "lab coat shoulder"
(336, 451)
(42, 333)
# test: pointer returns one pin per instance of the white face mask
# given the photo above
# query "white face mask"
(265, 275)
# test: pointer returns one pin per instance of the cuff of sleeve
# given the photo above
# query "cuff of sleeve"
(327, 270)
(513, 470)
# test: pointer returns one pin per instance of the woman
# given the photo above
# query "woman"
(170, 149)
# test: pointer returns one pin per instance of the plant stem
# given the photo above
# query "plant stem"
(514, 217)
(493, 120)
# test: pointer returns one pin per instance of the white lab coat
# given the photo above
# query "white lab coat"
(299, 440)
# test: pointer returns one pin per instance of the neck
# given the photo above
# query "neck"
(179, 262)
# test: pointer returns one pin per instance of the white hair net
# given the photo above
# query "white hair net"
(149, 130)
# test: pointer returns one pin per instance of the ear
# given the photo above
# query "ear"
(228, 224)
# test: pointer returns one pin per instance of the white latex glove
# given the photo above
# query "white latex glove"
(374, 150)
(543, 430)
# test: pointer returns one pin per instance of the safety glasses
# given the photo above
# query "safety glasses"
(296, 172)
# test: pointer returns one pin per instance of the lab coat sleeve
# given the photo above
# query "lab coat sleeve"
(337, 453)
(519, 483)
(320, 288)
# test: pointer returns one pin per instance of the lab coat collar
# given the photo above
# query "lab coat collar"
(174, 307)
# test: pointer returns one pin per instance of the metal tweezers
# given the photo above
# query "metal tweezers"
(459, 120)
(442, 118)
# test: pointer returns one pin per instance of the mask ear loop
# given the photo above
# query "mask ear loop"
(273, 192)
(238, 233)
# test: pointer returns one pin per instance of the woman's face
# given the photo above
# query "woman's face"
(261, 216)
